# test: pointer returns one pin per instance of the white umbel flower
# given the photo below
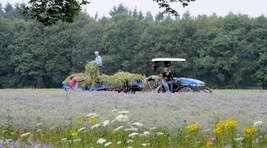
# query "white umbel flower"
(108, 143)
(81, 129)
(257, 123)
(123, 112)
(92, 115)
(239, 139)
(137, 124)
(159, 133)
(105, 123)
(133, 129)
(133, 135)
(39, 124)
(95, 126)
(101, 140)
(25, 135)
(118, 128)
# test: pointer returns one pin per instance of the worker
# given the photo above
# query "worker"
(158, 83)
(73, 82)
(99, 62)
(167, 75)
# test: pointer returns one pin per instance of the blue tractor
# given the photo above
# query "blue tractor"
(182, 84)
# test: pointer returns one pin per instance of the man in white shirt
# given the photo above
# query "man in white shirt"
(98, 60)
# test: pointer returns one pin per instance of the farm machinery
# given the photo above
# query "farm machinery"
(131, 83)
(181, 84)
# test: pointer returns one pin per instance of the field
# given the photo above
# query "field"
(184, 119)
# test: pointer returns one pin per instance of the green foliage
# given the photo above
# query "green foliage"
(49, 12)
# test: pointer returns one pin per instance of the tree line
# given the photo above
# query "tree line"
(224, 52)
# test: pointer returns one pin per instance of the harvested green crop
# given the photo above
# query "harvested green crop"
(92, 77)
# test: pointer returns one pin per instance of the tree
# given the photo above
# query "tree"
(149, 16)
(119, 9)
(49, 12)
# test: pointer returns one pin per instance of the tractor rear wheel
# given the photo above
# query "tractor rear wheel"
(185, 89)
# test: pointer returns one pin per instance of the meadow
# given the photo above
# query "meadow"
(56, 118)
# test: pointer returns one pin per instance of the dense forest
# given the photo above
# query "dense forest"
(224, 52)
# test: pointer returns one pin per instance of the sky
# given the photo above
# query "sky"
(252, 8)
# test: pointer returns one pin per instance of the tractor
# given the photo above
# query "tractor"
(182, 84)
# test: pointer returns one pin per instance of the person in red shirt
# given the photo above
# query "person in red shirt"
(73, 82)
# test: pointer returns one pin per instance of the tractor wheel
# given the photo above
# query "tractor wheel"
(208, 90)
(185, 89)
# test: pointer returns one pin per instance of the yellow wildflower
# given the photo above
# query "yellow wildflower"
(73, 132)
(193, 127)
(209, 143)
(92, 120)
(249, 131)
(230, 123)
(80, 120)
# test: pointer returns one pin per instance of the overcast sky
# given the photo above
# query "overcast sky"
(253, 8)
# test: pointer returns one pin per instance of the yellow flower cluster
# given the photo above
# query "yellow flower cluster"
(72, 132)
(193, 127)
(249, 131)
(209, 143)
(228, 124)
(79, 120)
(92, 120)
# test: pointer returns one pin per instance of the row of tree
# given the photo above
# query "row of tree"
(225, 52)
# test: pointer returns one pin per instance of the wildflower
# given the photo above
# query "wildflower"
(107, 144)
(118, 128)
(25, 135)
(129, 141)
(95, 126)
(53, 127)
(120, 118)
(152, 128)
(105, 123)
(159, 133)
(80, 120)
(131, 129)
(230, 123)
(209, 143)
(119, 142)
(101, 140)
(123, 112)
(63, 139)
(146, 133)
(257, 124)
(81, 129)
(193, 127)
(129, 147)
(249, 131)
(145, 144)
(72, 132)
(207, 130)
(137, 124)
(92, 120)
(115, 110)
(133, 135)
(257, 140)
(77, 140)
(39, 130)
(39, 124)
(92, 115)
(239, 139)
